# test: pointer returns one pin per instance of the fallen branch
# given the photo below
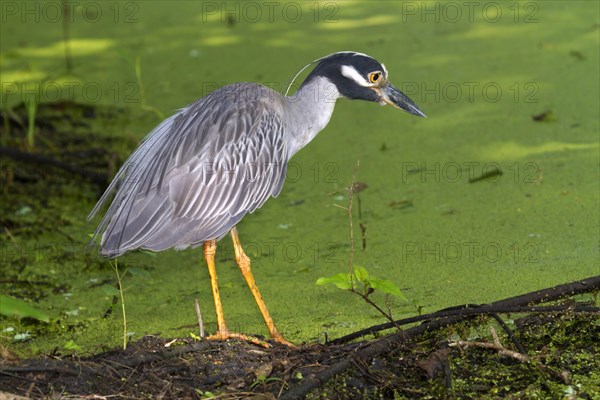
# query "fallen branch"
(472, 312)
(518, 304)
(391, 342)
(562, 377)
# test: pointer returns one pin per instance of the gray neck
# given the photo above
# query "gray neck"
(308, 111)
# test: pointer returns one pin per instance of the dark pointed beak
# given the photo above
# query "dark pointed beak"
(394, 97)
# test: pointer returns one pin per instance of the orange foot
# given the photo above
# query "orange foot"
(280, 339)
(225, 335)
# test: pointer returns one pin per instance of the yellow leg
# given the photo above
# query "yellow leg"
(243, 262)
(210, 249)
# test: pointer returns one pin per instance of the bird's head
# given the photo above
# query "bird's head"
(359, 76)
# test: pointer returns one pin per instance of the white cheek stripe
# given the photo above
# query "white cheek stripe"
(384, 70)
(350, 72)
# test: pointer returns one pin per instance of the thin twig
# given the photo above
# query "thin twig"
(471, 311)
(509, 332)
(350, 200)
(353, 289)
(121, 290)
(199, 315)
(363, 234)
(562, 376)
(464, 344)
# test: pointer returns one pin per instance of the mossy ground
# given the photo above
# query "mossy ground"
(443, 240)
(564, 344)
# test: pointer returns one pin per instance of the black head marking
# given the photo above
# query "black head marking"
(330, 67)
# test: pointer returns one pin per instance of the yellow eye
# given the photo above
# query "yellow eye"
(374, 76)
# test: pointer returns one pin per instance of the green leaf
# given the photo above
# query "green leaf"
(71, 345)
(387, 286)
(142, 273)
(361, 273)
(20, 308)
(110, 290)
(342, 281)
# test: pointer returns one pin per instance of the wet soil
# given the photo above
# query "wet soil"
(423, 367)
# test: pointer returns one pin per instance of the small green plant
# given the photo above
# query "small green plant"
(418, 307)
(358, 280)
(31, 105)
(119, 291)
(115, 267)
(205, 395)
(263, 381)
(142, 88)
(366, 284)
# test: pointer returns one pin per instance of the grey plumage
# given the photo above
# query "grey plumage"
(198, 173)
(201, 170)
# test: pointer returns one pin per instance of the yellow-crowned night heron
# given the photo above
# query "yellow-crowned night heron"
(200, 171)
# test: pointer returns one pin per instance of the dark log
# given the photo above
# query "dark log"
(389, 343)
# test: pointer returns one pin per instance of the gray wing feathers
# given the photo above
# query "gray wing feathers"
(198, 173)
